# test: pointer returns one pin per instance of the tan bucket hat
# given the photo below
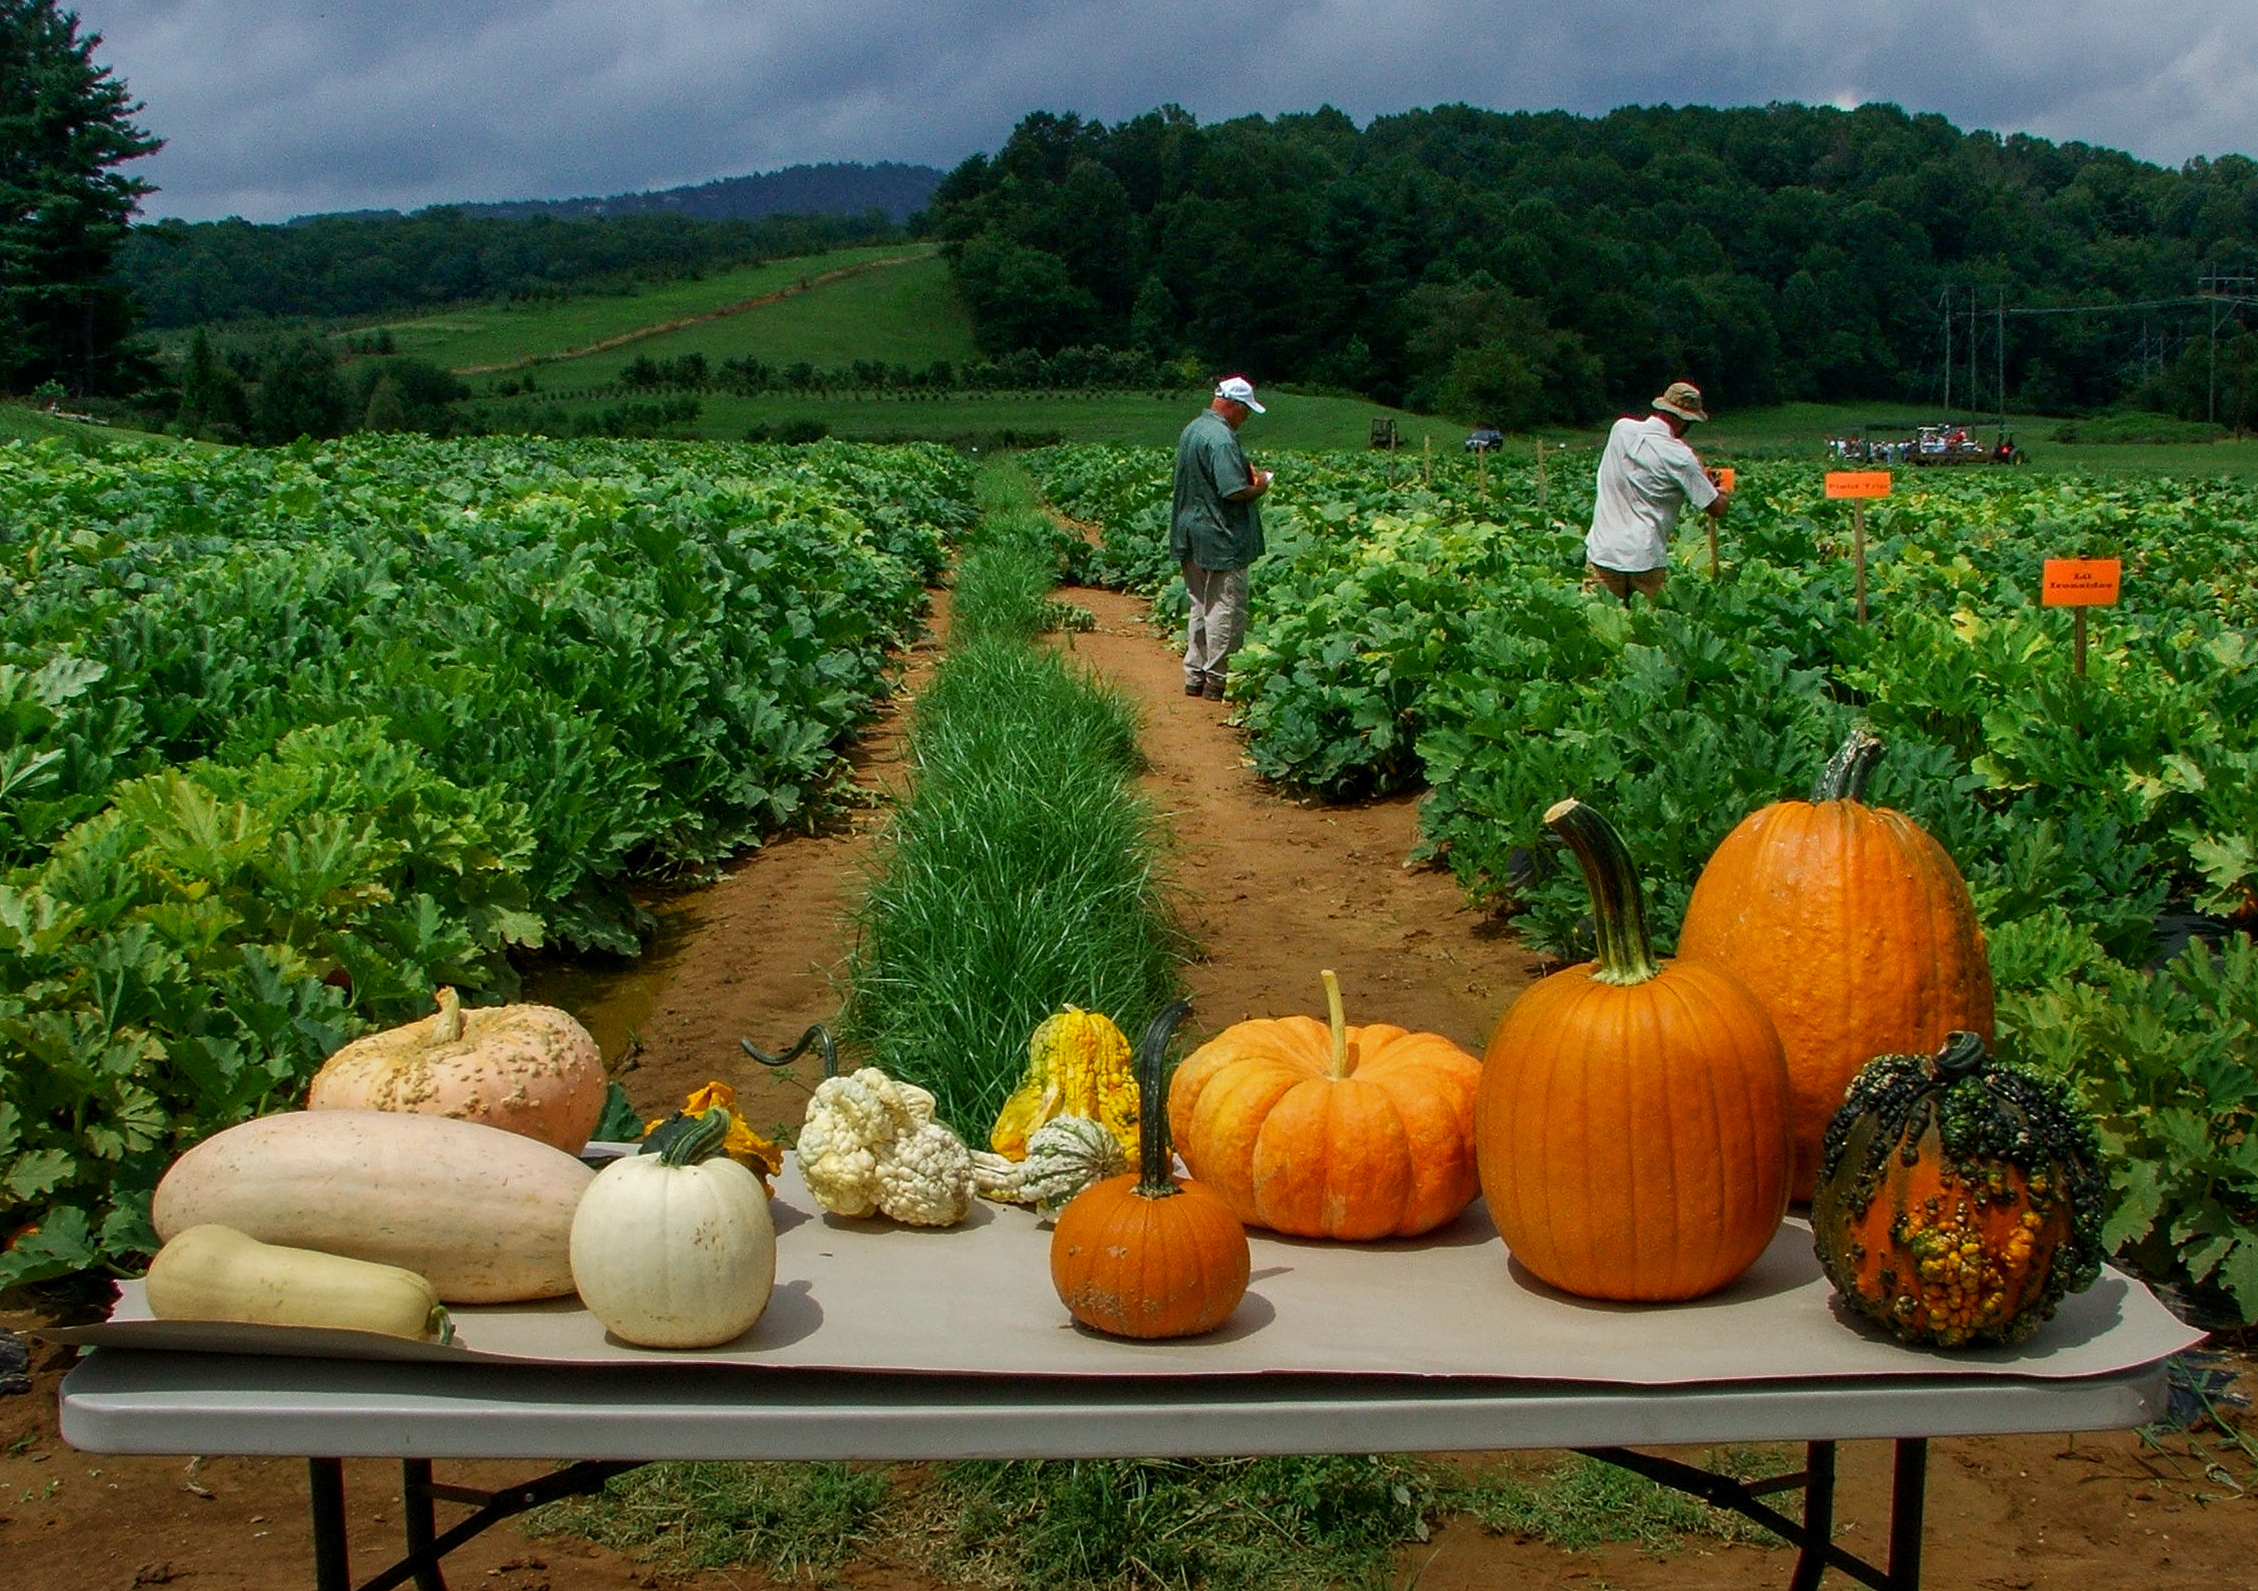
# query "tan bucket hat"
(1683, 399)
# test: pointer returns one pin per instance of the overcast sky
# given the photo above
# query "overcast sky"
(274, 108)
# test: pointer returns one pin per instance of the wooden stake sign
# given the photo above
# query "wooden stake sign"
(1725, 480)
(1858, 485)
(2079, 584)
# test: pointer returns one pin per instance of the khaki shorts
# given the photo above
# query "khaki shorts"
(1647, 582)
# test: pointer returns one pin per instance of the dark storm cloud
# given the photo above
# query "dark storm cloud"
(273, 109)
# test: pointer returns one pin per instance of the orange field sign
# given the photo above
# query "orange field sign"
(1858, 483)
(2082, 582)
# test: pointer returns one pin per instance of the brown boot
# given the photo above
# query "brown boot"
(1213, 691)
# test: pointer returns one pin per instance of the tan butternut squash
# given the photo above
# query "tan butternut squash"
(214, 1272)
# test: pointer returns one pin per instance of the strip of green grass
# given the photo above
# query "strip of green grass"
(790, 1520)
(1291, 1523)
(1024, 873)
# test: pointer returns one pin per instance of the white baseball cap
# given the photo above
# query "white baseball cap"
(1239, 390)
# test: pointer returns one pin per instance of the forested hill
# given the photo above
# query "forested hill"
(1529, 266)
(834, 188)
(189, 275)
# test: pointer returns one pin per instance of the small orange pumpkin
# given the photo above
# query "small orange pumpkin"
(1145, 1255)
(1330, 1131)
(527, 1069)
(1633, 1123)
(1852, 926)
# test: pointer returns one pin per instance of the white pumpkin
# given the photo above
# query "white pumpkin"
(676, 1249)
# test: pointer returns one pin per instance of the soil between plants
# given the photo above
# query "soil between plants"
(1273, 890)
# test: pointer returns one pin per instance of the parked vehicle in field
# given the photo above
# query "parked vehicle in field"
(1928, 445)
(1384, 432)
(1486, 439)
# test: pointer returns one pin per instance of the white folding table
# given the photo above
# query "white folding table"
(884, 1344)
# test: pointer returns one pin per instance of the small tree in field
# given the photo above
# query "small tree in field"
(63, 211)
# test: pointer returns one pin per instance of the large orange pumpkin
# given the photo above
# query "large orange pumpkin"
(528, 1069)
(1852, 926)
(1327, 1130)
(1633, 1123)
(1145, 1255)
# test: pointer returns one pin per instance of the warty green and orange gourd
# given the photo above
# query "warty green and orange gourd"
(1959, 1198)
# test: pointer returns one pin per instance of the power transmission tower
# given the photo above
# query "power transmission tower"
(2228, 293)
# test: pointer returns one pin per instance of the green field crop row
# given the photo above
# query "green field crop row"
(288, 738)
(1406, 636)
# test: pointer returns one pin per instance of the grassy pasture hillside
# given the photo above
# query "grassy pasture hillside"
(899, 314)
(476, 336)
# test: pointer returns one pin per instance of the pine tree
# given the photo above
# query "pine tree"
(212, 402)
(63, 211)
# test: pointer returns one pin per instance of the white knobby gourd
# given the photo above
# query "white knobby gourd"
(676, 1248)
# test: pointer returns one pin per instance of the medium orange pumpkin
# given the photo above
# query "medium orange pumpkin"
(1633, 1121)
(1145, 1255)
(527, 1069)
(1852, 926)
(1330, 1131)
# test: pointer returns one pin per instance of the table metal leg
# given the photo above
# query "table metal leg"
(422, 1526)
(1818, 1516)
(1813, 1537)
(332, 1567)
(1909, 1485)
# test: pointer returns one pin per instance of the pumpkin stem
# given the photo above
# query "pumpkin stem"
(1626, 951)
(1963, 1055)
(1156, 1156)
(1340, 1021)
(1848, 770)
(684, 1140)
(450, 1026)
(818, 1035)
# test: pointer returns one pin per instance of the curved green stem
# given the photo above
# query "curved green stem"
(1626, 950)
(1962, 1056)
(818, 1035)
(684, 1140)
(1156, 1160)
(1848, 770)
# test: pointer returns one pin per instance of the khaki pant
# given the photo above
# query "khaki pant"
(1646, 582)
(1217, 625)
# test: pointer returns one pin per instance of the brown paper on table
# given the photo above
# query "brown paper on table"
(977, 1300)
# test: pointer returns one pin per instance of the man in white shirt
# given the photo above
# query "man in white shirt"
(1646, 475)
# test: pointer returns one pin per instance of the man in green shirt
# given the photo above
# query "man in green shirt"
(1215, 532)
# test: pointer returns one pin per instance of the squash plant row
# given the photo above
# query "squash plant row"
(1409, 635)
(287, 738)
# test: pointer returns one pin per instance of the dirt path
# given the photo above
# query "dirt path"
(1275, 891)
